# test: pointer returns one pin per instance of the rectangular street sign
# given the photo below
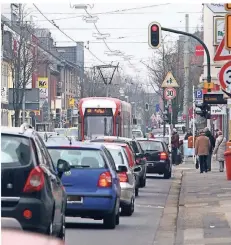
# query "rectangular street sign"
(199, 96)
(214, 99)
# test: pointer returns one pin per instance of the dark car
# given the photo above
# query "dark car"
(136, 149)
(158, 157)
(32, 192)
(92, 184)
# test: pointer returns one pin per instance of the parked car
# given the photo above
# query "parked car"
(127, 178)
(32, 192)
(158, 157)
(92, 184)
(136, 149)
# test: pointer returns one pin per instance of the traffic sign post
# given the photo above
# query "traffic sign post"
(169, 93)
(199, 96)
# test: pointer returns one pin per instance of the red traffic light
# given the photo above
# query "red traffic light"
(154, 28)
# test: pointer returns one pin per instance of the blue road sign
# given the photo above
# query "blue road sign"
(199, 94)
(157, 107)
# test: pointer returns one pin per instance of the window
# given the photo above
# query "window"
(151, 145)
(117, 156)
(78, 158)
(111, 159)
(15, 151)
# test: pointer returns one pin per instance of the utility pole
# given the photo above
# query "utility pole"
(164, 104)
(186, 70)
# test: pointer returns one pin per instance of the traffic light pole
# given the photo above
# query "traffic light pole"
(201, 42)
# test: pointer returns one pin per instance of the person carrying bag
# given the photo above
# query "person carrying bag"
(219, 150)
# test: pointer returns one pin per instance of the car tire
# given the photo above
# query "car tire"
(63, 228)
(118, 218)
(137, 192)
(168, 175)
(109, 220)
(128, 210)
(142, 182)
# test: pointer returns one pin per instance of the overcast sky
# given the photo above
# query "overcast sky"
(127, 28)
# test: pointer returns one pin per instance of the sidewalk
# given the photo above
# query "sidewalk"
(204, 215)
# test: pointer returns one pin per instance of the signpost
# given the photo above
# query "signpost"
(199, 96)
(169, 93)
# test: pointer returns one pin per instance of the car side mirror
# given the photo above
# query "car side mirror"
(121, 169)
(137, 169)
(62, 166)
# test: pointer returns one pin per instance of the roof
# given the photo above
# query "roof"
(17, 131)
(112, 146)
(113, 138)
(75, 144)
(148, 139)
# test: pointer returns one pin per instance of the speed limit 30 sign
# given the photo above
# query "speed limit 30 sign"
(169, 93)
(225, 78)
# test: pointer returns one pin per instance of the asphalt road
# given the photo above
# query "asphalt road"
(139, 229)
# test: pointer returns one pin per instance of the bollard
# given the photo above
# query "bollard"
(228, 164)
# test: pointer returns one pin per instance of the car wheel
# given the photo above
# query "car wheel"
(63, 228)
(143, 182)
(118, 218)
(109, 220)
(168, 175)
(137, 192)
(128, 209)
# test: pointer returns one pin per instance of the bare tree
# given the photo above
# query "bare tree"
(24, 60)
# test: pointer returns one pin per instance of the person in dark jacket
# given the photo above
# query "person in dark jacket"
(212, 145)
(189, 133)
(175, 140)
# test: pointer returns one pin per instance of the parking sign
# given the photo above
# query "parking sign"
(199, 96)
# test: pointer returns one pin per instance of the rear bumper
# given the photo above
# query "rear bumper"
(93, 205)
(127, 192)
(41, 213)
(157, 167)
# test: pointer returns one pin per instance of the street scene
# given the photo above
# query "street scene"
(116, 123)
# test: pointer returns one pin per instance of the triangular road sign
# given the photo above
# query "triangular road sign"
(222, 53)
(169, 81)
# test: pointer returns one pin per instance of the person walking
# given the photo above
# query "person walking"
(175, 140)
(219, 150)
(202, 147)
(212, 145)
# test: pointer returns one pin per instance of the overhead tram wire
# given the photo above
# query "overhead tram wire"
(52, 22)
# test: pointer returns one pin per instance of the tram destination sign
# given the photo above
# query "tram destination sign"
(214, 99)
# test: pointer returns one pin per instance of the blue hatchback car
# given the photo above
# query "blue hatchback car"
(92, 185)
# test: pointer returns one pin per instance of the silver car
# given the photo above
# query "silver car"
(127, 178)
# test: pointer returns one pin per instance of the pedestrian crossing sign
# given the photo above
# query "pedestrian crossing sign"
(169, 81)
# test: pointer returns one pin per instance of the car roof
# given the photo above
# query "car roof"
(113, 138)
(150, 139)
(112, 146)
(74, 144)
(17, 131)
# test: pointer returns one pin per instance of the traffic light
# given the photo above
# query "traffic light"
(146, 107)
(154, 36)
(203, 110)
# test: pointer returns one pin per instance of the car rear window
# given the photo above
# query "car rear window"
(151, 145)
(117, 156)
(137, 134)
(78, 158)
(15, 151)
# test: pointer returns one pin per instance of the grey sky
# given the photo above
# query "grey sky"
(127, 29)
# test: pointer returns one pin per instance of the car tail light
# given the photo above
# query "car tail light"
(123, 177)
(163, 156)
(35, 180)
(105, 180)
(27, 214)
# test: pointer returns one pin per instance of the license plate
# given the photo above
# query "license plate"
(74, 199)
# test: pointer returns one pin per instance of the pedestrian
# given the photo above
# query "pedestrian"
(212, 145)
(202, 147)
(189, 133)
(219, 150)
(175, 141)
(216, 133)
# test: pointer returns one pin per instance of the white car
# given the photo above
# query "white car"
(127, 178)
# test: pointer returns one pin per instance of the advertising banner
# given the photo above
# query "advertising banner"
(42, 84)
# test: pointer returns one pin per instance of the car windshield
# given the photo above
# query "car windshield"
(78, 158)
(15, 150)
(72, 132)
(151, 145)
(117, 156)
